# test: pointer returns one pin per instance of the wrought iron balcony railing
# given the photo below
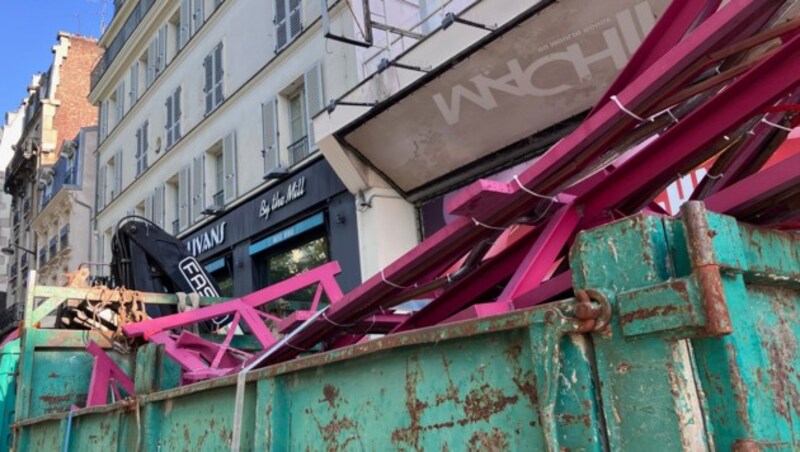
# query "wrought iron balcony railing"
(298, 150)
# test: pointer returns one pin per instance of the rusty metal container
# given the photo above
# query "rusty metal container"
(698, 351)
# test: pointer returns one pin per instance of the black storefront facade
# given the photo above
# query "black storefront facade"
(306, 220)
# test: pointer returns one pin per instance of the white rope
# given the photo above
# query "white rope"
(531, 192)
(715, 177)
(777, 126)
(667, 111)
(616, 100)
(396, 286)
(325, 316)
(484, 225)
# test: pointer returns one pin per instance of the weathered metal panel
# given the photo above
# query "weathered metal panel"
(655, 377)
(9, 361)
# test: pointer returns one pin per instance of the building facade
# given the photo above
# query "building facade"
(205, 129)
(56, 108)
(63, 225)
(9, 136)
(206, 110)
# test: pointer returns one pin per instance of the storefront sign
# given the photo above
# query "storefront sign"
(546, 70)
(282, 198)
(208, 240)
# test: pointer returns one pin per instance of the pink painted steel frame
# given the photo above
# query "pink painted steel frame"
(106, 374)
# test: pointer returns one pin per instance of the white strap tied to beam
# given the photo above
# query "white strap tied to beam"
(616, 100)
(533, 193)
(396, 286)
(775, 125)
(487, 226)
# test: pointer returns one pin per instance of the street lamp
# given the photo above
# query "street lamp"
(9, 250)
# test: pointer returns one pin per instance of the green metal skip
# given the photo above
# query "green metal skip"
(700, 353)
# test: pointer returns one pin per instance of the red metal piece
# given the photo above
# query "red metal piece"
(106, 374)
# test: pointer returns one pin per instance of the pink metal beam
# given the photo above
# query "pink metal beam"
(687, 144)
(457, 237)
(465, 292)
(106, 374)
(757, 188)
(679, 19)
(560, 229)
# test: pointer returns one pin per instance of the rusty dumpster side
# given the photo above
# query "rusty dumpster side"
(700, 353)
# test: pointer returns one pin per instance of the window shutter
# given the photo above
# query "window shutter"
(134, 91)
(101, 188)
(152, 51)
(295, 18)
(183, 197)
(176, 112)
(209, 71)
(198, 16)
(185, 18)
(145, 144)
(198, 187)
(168, 125)
(269, 125)
(218, 73)
(148, 207)
(117, 173)
(103, 119)
(229, 165)
(120, 102)
(315, 99)
(280, 25)
(162, 49)
(157, 209)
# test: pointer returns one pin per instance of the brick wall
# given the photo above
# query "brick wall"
(75, 111)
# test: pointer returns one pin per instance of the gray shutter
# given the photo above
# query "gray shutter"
(148, 207)
(198, 187)
(198, 15)
(134, 91)
(117, 173)
(157, 203)
(280, 24)
(101, 187)
(145, 144)
(120, 102)
(176, 113)
(183, 197)
(208, 68)
(152, 51)
(269, 125)
(218, 73)
(315, 99)
(185, 18)
(103, 119)
(229, 166)
(295, 18)
(168, 125)
(162, 49)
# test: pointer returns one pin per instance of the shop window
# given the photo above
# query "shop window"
(222, 272)
(284, 254)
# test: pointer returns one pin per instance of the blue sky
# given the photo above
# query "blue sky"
(28, 30)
